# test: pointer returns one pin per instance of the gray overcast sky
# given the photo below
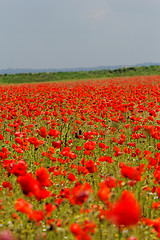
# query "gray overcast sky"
(78, 33)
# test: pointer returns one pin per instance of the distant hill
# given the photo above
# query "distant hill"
(79, 75)
(78, 69)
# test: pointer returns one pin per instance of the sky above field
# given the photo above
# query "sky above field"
(78, 33)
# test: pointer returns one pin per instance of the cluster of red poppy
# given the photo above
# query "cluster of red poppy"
(83, 156)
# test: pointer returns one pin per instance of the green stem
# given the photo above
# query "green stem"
(119, 234)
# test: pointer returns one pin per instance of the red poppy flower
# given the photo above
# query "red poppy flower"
(31, 186)
(1, 137)
(90, 165)
(125, 211)
(43, 132)
(132, 173)
(7, 184)
(72, 177)
(34, 141)
(43, 177)
(75, 228)
(23, 206)
(56, 144)
(20, 168)
(54, 133)
(80, 193)
(37, 215)
(49, 208)
(102, 145)
(104, 193)
(82, 231)
(89, 145)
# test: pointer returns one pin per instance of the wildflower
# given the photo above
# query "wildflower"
(80, 193)
(125, 211)
(43, 132)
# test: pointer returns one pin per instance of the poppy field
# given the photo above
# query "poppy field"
(80, 160)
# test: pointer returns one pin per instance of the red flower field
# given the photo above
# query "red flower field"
(80, 160)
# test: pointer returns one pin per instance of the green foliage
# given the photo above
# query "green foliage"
(62, 76)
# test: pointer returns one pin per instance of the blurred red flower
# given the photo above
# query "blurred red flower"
(125, 211)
